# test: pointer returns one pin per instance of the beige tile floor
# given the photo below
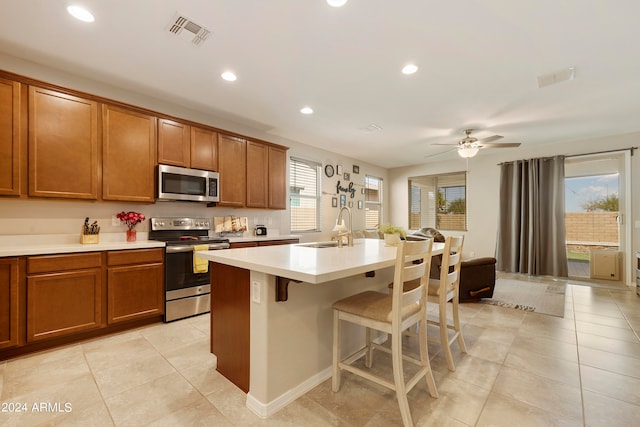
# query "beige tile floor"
(521, 369)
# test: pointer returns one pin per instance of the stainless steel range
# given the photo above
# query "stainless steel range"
(187, 291)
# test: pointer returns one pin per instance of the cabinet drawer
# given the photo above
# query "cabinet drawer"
(278, 242)
(51, 263)
(136, 256)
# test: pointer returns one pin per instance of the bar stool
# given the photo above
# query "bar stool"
(443, 290)
(392, 314)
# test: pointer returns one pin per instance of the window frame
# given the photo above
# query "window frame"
(293, 161)
(379, 204)
(434, 216)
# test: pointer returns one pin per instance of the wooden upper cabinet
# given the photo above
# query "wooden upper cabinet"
(277, 178)
(13, 101)
(232, 169)
(128, 156)
(204, 149)
(257, 175)
(174, 146)
(63, 145)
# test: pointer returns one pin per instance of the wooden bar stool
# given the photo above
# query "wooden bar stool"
(392, 314)
(443, 290)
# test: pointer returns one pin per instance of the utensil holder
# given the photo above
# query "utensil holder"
(89, 238)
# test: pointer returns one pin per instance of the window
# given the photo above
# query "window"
(438, 201)
(304, 183)
(373, 201)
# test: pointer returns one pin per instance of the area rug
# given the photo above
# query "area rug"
(543, 298)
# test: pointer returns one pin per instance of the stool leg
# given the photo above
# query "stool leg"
(368, 358)
(335, 379)
(444, 334)
(456, 324)
(398, 376)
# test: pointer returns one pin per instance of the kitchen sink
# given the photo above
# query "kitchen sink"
(329, 244)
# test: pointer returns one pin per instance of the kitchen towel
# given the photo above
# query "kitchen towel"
(200, 265)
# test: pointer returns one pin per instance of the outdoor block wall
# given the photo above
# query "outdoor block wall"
(596, 228)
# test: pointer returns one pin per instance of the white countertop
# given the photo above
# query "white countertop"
(311, 265)
(18, 245)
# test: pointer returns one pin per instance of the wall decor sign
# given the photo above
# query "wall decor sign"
(339, 170)
(334, 202)
(343, 200)
(351, 204)
(356, 169)
(346, 176)
(359, 204)
(349, 189)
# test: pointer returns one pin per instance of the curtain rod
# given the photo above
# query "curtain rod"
(603, 152)
(583, 154)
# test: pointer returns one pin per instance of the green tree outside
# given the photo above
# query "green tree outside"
(610, 203)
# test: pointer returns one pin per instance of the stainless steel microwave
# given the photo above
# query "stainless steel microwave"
(176, 183)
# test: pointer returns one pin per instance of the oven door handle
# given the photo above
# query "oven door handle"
(189, 248)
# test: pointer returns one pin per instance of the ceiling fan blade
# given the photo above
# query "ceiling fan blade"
(503, 145)
(490, 139)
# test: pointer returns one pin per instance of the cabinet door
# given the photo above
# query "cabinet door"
(174, 146)
(63, 303)
(9, 319)
(277, 178)
(232, 169)
(257, 175)
(129, 147)
(12, 147)
(204, 149)
(231, 323)
(134, 292)
(278, 242)
(63, 145)
(243, 245)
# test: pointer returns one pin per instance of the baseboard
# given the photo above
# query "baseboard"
(265, 410)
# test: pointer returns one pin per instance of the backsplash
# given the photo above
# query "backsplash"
(66, 217)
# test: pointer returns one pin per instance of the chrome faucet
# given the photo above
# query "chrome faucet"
(342, 230)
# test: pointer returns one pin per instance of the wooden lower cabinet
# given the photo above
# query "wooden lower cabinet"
(65, 300)
(278, 242)
(230, 322)
(9, 300)
(135, 284)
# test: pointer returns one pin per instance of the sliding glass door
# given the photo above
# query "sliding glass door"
(595, 215)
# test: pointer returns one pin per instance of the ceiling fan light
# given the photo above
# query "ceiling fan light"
(467, 152)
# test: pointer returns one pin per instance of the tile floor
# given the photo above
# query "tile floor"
(522, 369)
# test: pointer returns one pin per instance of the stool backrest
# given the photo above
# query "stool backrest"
(413, 262)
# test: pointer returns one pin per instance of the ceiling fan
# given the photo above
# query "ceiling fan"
(469, 145)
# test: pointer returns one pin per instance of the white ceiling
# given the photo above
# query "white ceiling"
(478, 61)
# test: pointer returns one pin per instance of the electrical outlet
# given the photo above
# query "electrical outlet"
(114, 220)
(255, 292)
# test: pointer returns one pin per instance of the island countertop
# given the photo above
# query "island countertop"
(311, 265)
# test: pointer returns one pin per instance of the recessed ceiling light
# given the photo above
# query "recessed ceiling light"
(306, 110)
(336, 3)
(229, 76)
(80, 13)
(409, 69)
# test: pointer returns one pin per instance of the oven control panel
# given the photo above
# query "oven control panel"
(180, 223)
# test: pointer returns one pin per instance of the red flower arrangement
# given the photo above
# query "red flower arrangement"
(130, 218)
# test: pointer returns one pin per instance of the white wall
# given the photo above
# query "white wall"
(50, 216)
(483, 186)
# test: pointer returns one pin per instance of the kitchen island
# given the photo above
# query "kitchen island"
(278, 350)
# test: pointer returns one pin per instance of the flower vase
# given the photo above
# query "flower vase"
(392, 239)
(131, 235)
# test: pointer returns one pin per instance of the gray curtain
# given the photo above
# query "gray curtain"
(531, 231)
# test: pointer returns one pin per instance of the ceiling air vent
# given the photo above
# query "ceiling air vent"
(188, 30)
